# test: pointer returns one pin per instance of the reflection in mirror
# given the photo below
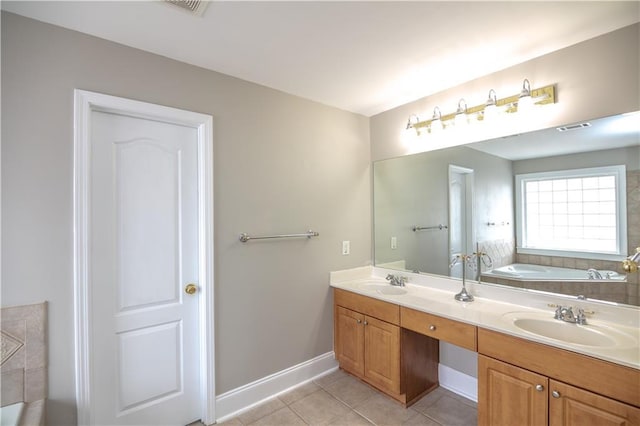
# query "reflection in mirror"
(430, 207)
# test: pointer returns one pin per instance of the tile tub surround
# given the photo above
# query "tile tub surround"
(341, 399)
(23, 368)
(434, 295)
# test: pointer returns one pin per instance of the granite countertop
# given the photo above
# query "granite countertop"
(496, 307)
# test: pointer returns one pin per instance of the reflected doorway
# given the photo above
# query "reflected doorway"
(461, 232)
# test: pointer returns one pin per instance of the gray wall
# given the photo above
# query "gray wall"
(281, 164)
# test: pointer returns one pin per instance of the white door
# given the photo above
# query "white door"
(143, 253)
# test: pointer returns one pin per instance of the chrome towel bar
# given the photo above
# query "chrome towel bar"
(244, 237)
(422, 228)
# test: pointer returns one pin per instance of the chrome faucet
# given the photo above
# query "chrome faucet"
(565, 313)
(398, 280)
(594, 274)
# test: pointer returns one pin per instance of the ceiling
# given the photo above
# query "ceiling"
(364, 57)
(613, 132)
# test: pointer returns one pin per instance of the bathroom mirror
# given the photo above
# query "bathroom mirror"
(430, 206)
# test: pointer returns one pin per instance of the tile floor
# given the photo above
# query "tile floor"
(340, 399)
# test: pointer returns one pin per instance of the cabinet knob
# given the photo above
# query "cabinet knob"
(365, 322)
(539, 388)
(432, 327)
(555, 394)
(359, 321)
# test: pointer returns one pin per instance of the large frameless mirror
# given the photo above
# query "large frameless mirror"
(554, 210)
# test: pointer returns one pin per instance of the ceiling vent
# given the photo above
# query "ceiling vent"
(195, 7)
(573, 127)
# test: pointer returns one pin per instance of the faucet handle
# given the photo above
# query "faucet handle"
(558, 314)
(581, 317)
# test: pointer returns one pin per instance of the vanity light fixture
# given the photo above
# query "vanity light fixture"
(525, 101)
(461, 114)
(511, 104)
(436, 124)
(630, 264)
(413, 119)
(490, 106)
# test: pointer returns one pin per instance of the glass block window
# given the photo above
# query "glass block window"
(572, 211)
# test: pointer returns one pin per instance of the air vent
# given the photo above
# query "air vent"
(195, 7)
(573, 127)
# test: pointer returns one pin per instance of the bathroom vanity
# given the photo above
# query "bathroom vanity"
(389, 337)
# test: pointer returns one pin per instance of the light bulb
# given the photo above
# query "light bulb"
(525, 101)
(490, 107)
(460, 119)
(436, 121)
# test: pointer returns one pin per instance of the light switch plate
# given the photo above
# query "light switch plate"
(346, 248)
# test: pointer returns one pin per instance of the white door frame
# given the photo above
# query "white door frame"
(85, 104)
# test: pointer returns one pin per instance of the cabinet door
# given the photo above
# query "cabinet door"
(350, 340)
(570, 406)
(382, 354)
(509, 395)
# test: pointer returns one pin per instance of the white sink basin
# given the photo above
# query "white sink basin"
(592, 334)
(386, 289)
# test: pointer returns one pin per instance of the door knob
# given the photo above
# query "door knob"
(191, 289)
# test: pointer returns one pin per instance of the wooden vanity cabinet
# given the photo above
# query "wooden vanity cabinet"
(370, 344)
(571, 406)
(349, 340)
(519, 382)
(509, 395)
(369, 348)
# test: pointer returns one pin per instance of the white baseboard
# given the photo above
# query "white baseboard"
(458, 382)
(236, 401)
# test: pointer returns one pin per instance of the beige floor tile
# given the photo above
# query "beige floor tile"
(327, 379)
(449, 411)
(383, 411)
(282, 417)
(420, 420)
(350, 390)
(429, 399)
(464, 400)
(261, 410)
(231, 422)
(351, 419)
(299, 393)
(319, 408)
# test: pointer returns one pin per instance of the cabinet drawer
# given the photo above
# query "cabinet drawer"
(447, 330)
(373, 307)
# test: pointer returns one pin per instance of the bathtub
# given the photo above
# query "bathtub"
(10, 415)
(526, 272)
